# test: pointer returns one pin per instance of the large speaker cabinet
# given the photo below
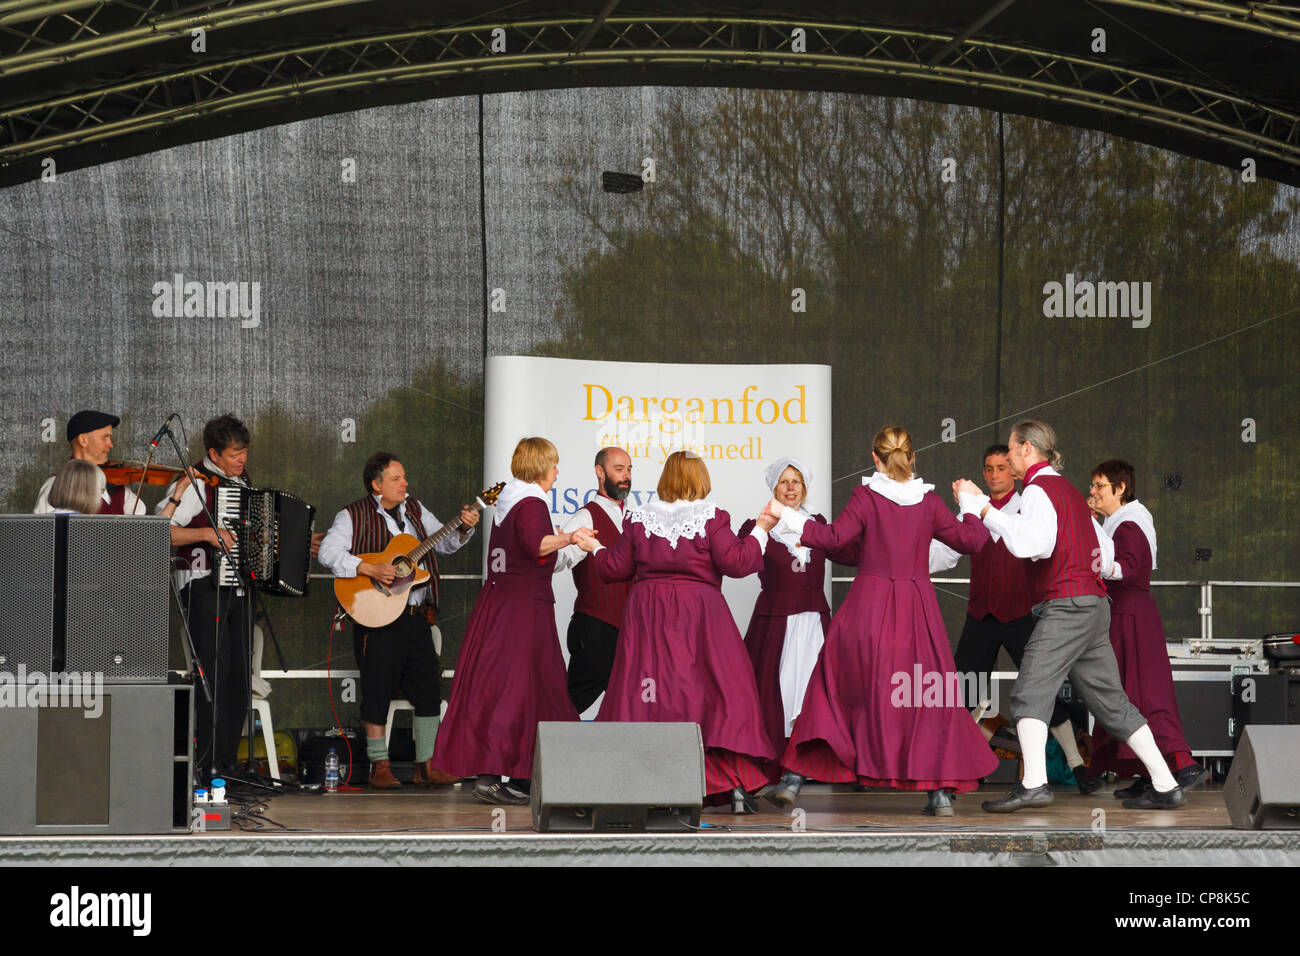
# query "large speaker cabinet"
(119, 762)
(85, 593)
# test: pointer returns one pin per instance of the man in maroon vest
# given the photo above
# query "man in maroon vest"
(598, 610)
(399, 659)
(1065, 550)
(90, 437)
(215, 615)
(998, 615)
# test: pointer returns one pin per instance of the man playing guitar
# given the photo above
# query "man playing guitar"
(397, 659)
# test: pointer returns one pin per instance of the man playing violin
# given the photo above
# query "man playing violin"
(90, 436)
(398, 659)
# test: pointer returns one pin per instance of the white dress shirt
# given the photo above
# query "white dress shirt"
(1031, 532)
(191, 507)
(336, 548)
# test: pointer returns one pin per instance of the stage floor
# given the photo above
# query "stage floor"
(447, 825)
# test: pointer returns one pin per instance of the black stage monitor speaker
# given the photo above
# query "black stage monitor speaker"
(592, 777)
(118, 593)
(26, 594)
(1263, 787)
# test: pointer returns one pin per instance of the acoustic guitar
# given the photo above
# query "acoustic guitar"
(373, 604)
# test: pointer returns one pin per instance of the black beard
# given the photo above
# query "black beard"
(614, 491)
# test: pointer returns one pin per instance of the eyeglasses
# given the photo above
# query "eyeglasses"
(1098, 485)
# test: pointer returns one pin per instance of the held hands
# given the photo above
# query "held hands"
(383, 573)
(963, 486)
(585, 538)
(773, 509)
(765, 520)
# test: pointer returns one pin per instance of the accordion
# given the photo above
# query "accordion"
(272, 532)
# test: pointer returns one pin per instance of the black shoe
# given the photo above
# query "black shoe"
(742, 802)
(1134, 789)
(1020, 798)
(786, 791)
(1192, 776)
(1153, 799)
(1086, 784)
(497, 793)
(521, 785)
(940, 804)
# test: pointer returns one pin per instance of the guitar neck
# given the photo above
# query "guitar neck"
(442, 534)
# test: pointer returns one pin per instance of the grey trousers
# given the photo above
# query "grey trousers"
(1072, 638)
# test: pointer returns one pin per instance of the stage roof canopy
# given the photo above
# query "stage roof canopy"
(87, 82)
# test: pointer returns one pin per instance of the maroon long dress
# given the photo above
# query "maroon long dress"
(865, 719)
(785, 592)
(680, 656)
(1138, 637)
(510, 673)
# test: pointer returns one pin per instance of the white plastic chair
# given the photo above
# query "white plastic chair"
(397, 703)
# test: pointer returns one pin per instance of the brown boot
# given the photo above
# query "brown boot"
(381, 776)
(426, 775)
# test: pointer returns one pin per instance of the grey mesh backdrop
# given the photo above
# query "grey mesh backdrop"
(904, 224)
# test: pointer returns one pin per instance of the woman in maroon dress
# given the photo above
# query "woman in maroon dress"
(791, 616)
(1137, 635)
(680, 656)
(510, 673)
(884, 706)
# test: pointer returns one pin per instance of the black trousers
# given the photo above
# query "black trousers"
(398, 660)
(219, 629)
(592, 644)
(977, 653)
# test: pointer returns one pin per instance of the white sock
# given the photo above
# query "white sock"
(1033, 750)
(1143, 744)
(1064, 734)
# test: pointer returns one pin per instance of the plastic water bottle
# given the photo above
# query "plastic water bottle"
(332, 772)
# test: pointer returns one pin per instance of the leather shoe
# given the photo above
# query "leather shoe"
(786, 791)
(1192, 776)
(427, 775)
(742, 802)
(940, 804)
(1134, 789)
(497, 793)
(381, 776)
(1020, 798)
(1152, 799)
(1086, 784)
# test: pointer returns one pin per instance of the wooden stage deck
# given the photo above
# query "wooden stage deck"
(448, 826)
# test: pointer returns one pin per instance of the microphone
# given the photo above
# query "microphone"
(166, 427)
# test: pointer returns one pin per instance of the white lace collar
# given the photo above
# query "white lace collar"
(673, 520)
(1136, 512)
(908, 492)
(516, 492)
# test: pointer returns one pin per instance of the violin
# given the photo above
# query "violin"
(135, 473)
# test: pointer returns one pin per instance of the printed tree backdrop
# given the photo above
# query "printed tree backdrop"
(376, 306)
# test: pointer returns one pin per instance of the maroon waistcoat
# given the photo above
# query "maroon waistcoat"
(370, 535)
(1069, 571)
(598, 598)
(999, 584)
(116, 500)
